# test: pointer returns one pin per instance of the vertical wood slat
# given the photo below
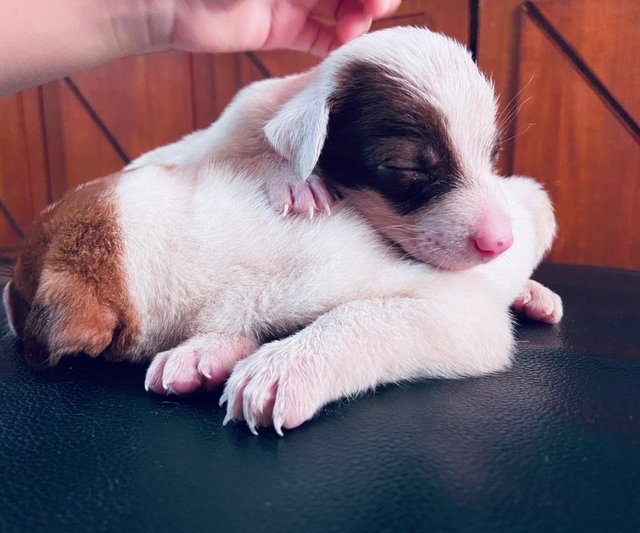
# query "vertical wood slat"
(23, 177)
(497, 55)
(76, 149)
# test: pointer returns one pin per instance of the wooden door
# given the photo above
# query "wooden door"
(572, 70)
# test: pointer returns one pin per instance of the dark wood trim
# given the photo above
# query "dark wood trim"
(95, 117)
(581, 66)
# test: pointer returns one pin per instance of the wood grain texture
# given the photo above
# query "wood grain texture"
(572, 141)
(205, 98)
(145, 101)
(76, 148)
(605, 35)
(23, 178)
(101, 118)
(497, 56)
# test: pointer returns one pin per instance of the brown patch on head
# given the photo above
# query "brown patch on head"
(70, 274)
(383, 136)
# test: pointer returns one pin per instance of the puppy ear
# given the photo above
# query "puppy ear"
(66, 318)
(299, 128)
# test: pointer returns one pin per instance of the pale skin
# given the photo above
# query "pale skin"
(43, 40)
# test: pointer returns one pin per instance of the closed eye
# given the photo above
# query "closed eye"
(398, 168)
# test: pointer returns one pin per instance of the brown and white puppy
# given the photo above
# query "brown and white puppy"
(183, 260)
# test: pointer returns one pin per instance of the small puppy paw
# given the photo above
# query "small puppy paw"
(290, 194)
(538, 302)
(276, 386)
(200, 362)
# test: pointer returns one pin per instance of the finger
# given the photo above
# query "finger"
(351, 21)
(377, 9)
(315, 38)
(328, 9)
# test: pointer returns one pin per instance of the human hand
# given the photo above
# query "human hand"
(315, 26)
(43, 40)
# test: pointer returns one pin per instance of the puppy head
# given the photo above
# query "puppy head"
(403, 124)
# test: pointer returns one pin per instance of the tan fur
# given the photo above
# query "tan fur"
(70, 277)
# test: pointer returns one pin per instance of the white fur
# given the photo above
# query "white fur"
(275, 129)
(207, 257)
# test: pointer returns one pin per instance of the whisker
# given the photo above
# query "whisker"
(529, 126)
(514, 99)
(513, 114)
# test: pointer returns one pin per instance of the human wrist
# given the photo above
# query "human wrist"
(141, 26)
(45, 40)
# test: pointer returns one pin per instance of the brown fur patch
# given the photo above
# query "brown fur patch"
(385, 137)
(70, 274)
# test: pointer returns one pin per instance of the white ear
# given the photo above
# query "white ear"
(298, 130)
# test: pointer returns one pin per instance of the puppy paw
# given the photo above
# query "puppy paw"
(201, 362)
(290, 194)
(538, 302)
(276, 386)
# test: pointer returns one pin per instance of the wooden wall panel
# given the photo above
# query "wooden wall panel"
(96, 121)
(23, 178)
(144, 101)
(571, 69)
(77, 149)
(450, 17)
(605, 35)
(497, 56)
(574, 142)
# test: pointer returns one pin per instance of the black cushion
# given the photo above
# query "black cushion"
(551, 445)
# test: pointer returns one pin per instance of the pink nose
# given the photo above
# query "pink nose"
(492, 244)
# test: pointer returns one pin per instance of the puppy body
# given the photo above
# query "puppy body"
(210, 271)
(186, 261)
(220, 259)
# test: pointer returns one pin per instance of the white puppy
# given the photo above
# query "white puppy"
(183, 259)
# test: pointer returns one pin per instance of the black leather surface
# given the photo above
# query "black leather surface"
(552, 445)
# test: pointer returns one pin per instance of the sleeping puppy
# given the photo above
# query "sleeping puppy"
(183, 261)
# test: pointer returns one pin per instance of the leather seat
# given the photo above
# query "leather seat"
(551, 445)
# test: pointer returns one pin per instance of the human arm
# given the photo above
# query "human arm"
(43, 40)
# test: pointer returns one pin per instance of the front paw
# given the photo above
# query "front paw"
(277, 386)
(538, 302)
(200, 362)
(290, 194)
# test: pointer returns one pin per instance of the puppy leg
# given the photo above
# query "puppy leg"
(290, 194)
(362, 344)
(203, 361)
(538, 302)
